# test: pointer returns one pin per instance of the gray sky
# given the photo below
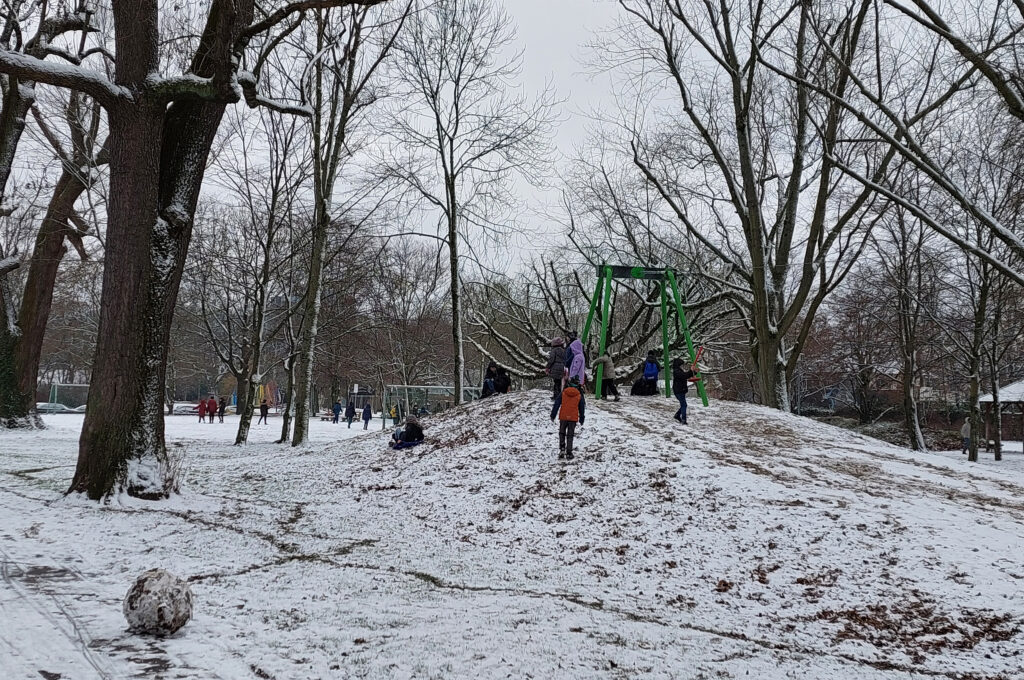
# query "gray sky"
(553, 35)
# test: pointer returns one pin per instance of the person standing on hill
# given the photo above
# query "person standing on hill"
(211, 408)
(608, 386)
(488, 388)
(201, 410)
(502, 382)
(681, 374)
(650, 369)
(570, 407)
(222, 407)
(350, 413)
(367, 414)
(575, 361)
(336, 410)
(264, 412)
(556, 365)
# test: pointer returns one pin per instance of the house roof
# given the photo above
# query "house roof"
(1012, 393)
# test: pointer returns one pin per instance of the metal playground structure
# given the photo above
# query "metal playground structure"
(666, 279)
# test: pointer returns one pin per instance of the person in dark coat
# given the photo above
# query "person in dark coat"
(681, 374)
(556, 366)
(336, 410)
(649, 371)
(222, 407)
(367, 414)
(202, 410)
(412, 432)
(350, 413)
(488, 388)
(502, 383)
(211, 408)
(264, 412)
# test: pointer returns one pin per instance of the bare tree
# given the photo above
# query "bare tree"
(238, 259)
(744, 159)
(460, 131)
(347, 50)
(161, 130)
(21, 331)
(910, 281)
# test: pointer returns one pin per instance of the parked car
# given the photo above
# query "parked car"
(51, 407)
(185, 409)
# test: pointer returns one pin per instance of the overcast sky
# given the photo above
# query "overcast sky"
(554, 35)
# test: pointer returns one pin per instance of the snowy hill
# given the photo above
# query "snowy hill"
(749, 544)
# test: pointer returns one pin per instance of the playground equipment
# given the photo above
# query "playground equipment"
(666, 279)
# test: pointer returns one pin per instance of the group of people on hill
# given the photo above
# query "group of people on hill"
(209, 408)
(350, 413)
(566, 367)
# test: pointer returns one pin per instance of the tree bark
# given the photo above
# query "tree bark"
(42, 277)
(310, 318)
(158, 158)
(974, 362)
(456, 297)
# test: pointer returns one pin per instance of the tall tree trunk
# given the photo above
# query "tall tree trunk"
(456, 301)
(310, 318)
(997, 414)
(770, 364)
(911, 418)
(974, 363)
(13, 410)
(158, 158)
(42, 277)
(122, 442)
(289, 400)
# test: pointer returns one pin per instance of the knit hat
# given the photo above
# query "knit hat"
(557, 342)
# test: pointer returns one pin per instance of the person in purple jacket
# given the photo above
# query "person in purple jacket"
(575, 361)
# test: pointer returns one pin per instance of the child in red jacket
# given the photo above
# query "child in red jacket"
(571, 408)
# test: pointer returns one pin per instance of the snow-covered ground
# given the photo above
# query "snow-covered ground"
(750, 544)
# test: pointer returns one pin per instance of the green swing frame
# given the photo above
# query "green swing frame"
(666, 279)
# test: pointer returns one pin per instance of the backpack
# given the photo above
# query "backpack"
(650, 370)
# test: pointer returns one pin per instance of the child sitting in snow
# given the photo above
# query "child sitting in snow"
(410, 435)
(570, 407)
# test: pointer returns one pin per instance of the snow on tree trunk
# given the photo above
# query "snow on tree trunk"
(997, 418)
(15, 406)
(246, 406)
(286, 414)
(911, 418)
(310, 317)
(456, 302)
(122, 443)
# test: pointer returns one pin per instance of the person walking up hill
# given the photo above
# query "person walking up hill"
(571, 408)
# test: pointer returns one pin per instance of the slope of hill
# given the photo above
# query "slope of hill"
(749, 544)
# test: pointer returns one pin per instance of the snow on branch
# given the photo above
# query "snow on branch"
(9, 264)
(90, 82)
(248, 84)
(292, 8)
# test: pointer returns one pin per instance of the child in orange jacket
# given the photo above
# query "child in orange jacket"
(571, 408)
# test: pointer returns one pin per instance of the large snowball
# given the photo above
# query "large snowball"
(158, 603)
